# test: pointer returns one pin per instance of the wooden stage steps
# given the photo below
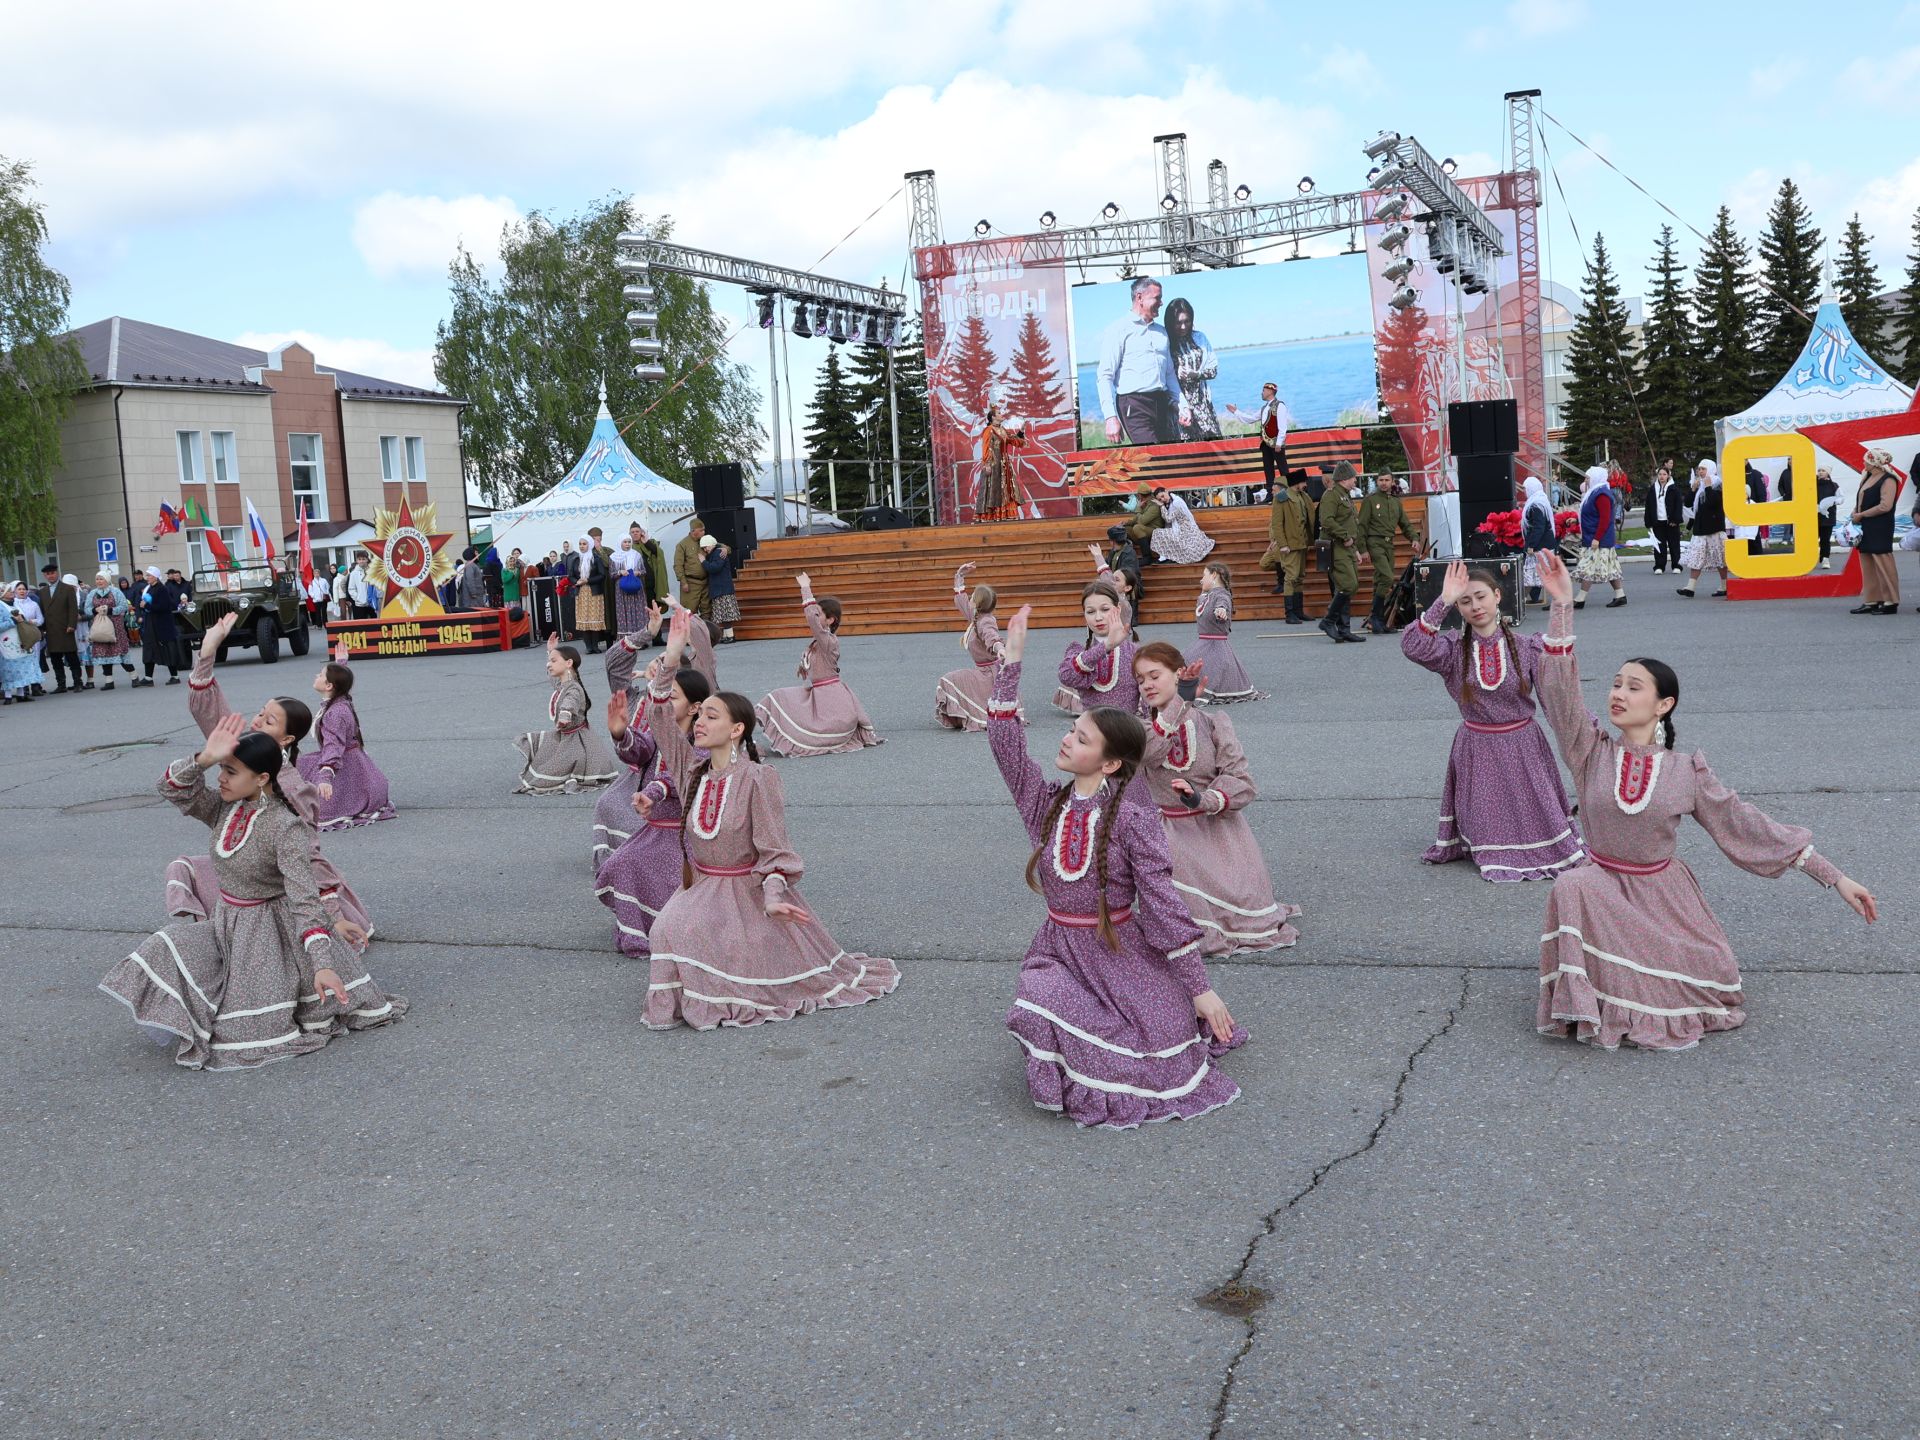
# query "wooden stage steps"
(901, 581)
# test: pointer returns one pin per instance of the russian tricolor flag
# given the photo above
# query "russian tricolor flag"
(258, 529)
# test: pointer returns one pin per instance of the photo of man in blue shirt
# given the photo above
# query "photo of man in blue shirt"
(1135, 374)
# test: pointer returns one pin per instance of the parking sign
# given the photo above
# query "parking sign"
(109, 550)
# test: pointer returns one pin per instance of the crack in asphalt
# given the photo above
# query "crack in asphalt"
(1235, 1282)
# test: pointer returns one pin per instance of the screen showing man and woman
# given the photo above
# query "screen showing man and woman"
(1166, 359)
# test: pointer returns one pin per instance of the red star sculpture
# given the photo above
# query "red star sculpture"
(1846, 440)
(408, 562)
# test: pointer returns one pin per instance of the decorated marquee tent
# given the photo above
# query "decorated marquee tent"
(608, 487)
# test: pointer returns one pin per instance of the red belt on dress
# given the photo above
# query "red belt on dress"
(720, 869)
(1183, 812)
(1627, 867)
(816, 684)
(985, 664)
(571, 729)
(1506, 729)
(236, 901)
(669, 825)
(1089, 922)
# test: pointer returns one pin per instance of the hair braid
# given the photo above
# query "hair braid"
(1513, 658)
(1119, 780)
(1667, 720)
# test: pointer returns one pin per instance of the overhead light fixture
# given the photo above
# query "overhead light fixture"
(1381, 144)
(1109, 210)
(800, 325)
(1390, 177)
(1305, 187)
(890, 331)
(1448, 166)
(820, 318)
(1392, 210)
(1168, 203)
(1047, 220)
(1402, 298)
(1396, 238)
(1242, 193)
(641, 297)
(1353, 242)
(838, 332)
(1374, 173)
(1398, 270)
(981, 227)
(1296, 255)
(873, 330)
(765, 302)
(645, 348)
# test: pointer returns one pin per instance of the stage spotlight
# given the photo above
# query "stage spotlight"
(1109, 210)
(1305, 187)
(1374, 174)
(873, 330)
(1398, 270)
(1242, 193)
(1392, 210)
(890, 331)
(838, 332)
(1168, 203)
(981, 227)
(765, 302)
(645, 348)
(1402, 298)
(1396, 238)
(1448, 166)
(1381, 144)
(1392, 176)
(1047, 220)
(819, 319)
(641, 297)
(800, 325)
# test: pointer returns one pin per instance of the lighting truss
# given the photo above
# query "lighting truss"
(1409, 167)
(753, 275)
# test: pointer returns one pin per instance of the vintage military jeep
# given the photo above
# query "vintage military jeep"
(269, 606)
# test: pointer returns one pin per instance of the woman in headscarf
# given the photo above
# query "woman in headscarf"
(1536, 534)
(1708, 513)
(105, 602)
(26, 606)
(1599, 539)
(160, 601)
(19, 667)
(1181, 541)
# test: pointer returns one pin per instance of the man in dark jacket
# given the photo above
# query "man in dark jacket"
(1666, 513)
(60, 602)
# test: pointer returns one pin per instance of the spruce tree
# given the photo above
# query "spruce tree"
(1669, 399)
(1035, 391)
(1728, 380)
(833, 433)
(1790, 257)
(867, 380)
(1906, 320)
(974, 370)
(1859, 286)
(1599, 412)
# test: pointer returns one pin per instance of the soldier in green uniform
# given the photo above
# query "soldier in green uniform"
(1339, 530)
(1381, 515)
(1147, 518)
(1290, 536)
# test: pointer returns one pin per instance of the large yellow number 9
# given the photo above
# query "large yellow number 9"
(1802, 512)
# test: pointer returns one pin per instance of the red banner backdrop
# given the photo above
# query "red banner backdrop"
(997, 336)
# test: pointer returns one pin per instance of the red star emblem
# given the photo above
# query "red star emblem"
(1846, 440)
(407, 552)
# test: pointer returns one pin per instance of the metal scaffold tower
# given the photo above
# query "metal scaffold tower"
(1532, 379)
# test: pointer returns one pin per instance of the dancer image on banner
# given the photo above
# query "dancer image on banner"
(261, 979)
(997, 492)
(1099, 669)
(1195, 366)
(960, 696)
(191, 890)
(1198, 777)
(821, 715)
(737, 945)
(352, 789)
(1120, 1024)
(1502, 805)
(1630, 951)
(570, 756)
(641, 874)
(1227, 681)
(1271, 421)
(1137, 385)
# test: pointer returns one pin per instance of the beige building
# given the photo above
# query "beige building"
(172, 417)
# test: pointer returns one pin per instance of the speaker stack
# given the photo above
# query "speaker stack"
(720, 499)
(1483, 436)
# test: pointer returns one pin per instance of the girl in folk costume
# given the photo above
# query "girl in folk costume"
(638, 878)
(819, 716)
(1197, 774)
(960, 697)
(738, 946)
(351, 789)
(570, 756)
(613, 811)
(997, 496)
(1537, 533)
(192, 890)
(261, 979)
(1226, 679)
(1503, 806)
(1119, 1022)
(1099, 670)
(1707, 515)
(19, 669)
(1630, 950)
(104, 610)
(1600, 536)
(1181, 541)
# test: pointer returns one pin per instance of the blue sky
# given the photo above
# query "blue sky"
(245, 172)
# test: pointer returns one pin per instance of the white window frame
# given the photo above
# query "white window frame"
(233, 536)
(190, 450)
(316, 498)
(226, 458)
(390, 461)
(416, 450)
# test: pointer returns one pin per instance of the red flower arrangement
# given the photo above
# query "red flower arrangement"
(1504, 526)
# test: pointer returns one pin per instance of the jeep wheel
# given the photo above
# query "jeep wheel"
(299, 640)
(266, 639)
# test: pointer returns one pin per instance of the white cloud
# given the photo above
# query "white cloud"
(363, 357)
(1535, 18)
(1887, 206)
(412, 235)
(1882, 83)
(1352, 71)
(1770, 81)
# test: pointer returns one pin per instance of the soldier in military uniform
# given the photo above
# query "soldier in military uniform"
(1290, 536)
(1339, 529)
(1382, 515)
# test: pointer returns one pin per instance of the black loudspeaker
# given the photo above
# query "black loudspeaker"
(1430, 575)
(1486, 485)
(882, 517)
(1483, 427)
(737, 529)
(719, 487)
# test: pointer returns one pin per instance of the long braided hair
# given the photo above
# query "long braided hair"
(739, 712)
(299, 717)
(261, 753)
(1482, 576)
(340, 677)
(1124, 739)
(1666, 685)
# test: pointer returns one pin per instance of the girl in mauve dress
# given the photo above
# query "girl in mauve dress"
(738, 946)
(1099, 670)
(570, 756)
(1197, 774)
(1502, 806)
(1226, 679)
(192, 892)
(640, 876)
(1630, 950)
(350, 787)
(1119, 1022)
(1123, 582)
(613, 811)
(820, 715)
(960, 699)
(260, 979)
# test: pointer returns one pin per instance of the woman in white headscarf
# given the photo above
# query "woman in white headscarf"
(1599, 539)
(1708, 515)
(1536, 534)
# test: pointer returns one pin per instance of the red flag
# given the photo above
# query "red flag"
(216, 547)
(306, 552)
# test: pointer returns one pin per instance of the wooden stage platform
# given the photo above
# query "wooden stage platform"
(901, 581)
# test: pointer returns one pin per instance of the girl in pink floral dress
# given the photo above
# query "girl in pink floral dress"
(820, 715)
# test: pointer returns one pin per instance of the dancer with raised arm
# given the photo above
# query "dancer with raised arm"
(1120, 1025)
(738, 945)
(960, 697)
(351, 788)
(1630, 950)
(1502, 806)
(821, 715)
(1099, 670)
(192, 890)
(613, 811)
(1198, 776)
(1225, 678)
(570, 756)
(260, 980)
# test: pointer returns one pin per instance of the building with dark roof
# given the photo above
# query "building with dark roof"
(169, 416)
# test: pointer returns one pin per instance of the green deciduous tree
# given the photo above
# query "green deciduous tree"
(1723, 311)
(1669, 368)
(1599, 412)
(528, 348)
(40, 366)
(1858, 282)
(1906, 320)
(1790, 256)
